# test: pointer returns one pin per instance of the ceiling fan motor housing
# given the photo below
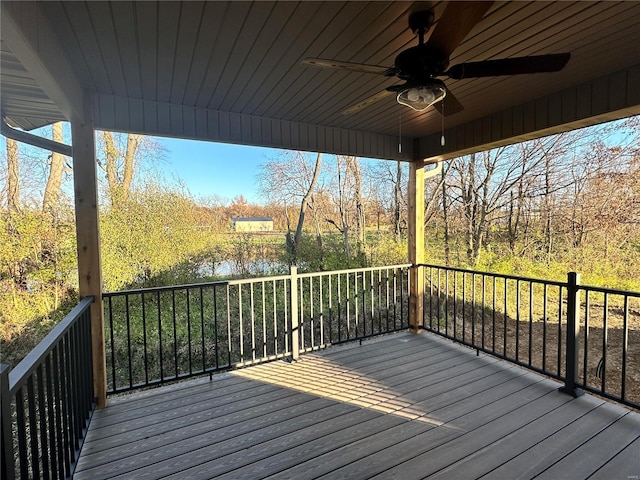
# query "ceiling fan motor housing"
(420, 63)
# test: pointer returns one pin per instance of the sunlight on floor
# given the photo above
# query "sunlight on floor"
(325, 378)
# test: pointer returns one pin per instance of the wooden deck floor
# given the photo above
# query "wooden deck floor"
(401, 406)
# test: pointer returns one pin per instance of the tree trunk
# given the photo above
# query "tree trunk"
(397, 197)
(344, 216)
(470, 201)
(445, 218)
(120, 169)
(13, 176)
(305, 203)
(129, 163)
(54, 180)
(352, 164)
(111, 167)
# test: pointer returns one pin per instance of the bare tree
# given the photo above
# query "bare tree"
(13, 176)
(388, 192)
(343, 223)
(51, 194)
(445, 218)
(354, 168)
(119, 164)
(304, 205)
(397, 201)
(288, 180)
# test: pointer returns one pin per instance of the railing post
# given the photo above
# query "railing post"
(294, 331)
(8, 465)
(573, 332)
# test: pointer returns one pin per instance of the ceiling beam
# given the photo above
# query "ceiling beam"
(28, 35)
(601, 100)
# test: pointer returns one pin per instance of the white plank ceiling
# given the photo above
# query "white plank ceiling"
(230, 71)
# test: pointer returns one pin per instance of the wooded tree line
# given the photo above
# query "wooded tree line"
(540, 208)
(146, 226)
(572, 199)
(568, 200)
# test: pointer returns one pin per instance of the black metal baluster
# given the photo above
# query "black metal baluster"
(558, 370)
(175, 333)
(215, 326)
(544, 328)
(21, 426)
(530, 352)
(189, 345)
(506, 314)
(605, 334)
(60, 428)
(144, 341)
(431, 298)
(585, 365)
(517, 320)
(455, 304)
(113, 347)
(129, 362)
(439, 302)
(229, 339)
(483, 309)
(493, 316)
(446, 302)
(160, 336)
(625, 346)
(33, 429)
(51, 415)
(473, 309)
(64, 401)
(43, 432)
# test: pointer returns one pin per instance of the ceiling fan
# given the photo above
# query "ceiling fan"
(419, 66)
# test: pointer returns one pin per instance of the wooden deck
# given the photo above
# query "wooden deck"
(400, 406)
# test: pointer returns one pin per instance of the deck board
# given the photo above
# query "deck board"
(399, 406)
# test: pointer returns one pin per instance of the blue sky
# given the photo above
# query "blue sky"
(209, 168)
(205, 168)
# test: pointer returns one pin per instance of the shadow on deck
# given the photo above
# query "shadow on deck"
(399, 406)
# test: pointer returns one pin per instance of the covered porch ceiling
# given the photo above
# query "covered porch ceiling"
(232, 72)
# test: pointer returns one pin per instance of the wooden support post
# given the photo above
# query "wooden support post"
(88, 238)
(416, 244)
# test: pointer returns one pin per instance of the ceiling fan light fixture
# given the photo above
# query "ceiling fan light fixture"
(422, 97)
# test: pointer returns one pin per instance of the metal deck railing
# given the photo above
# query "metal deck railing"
(47, 401)
(162, 334)
(575, 333)
(581, 335)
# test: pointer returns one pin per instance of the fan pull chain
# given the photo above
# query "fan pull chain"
(442, 142)
(400, 133)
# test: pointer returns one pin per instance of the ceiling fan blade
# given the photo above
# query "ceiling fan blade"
(510, 66)
(455, 24)
(366, 102)
(354, 67)
(449, 105)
